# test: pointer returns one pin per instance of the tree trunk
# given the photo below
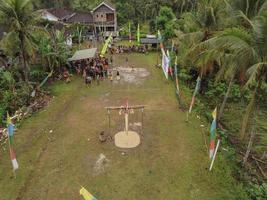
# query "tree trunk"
(248, 114)
(251, 139)
(226, 96)
(24, 57)
(247, 7)
(182, 7)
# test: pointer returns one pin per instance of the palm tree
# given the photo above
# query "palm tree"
(205, 23)
(249, 46)
(232, 64)
(241, 48)
(19, 18)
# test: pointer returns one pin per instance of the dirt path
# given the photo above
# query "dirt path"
(58, 149)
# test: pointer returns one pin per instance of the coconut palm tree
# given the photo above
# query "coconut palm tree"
(231, 63)
(249, 47)
(20, 20)
(240, 48)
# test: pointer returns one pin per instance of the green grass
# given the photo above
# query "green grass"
(171, 162)
(127, 42)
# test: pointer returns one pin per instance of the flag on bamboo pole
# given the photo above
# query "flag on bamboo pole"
(130, 34)
(10, 130)
(138, 34)
(165, 58)
(105, 47)
(170, 61)
(172, 45)
(195, 93)
(160, 40)
(165, 63)
(86, 195)
(213, 133)
(176, 77)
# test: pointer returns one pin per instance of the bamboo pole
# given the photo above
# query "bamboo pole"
(142, 121)
(109, 122)
(215, 153)
(9, 145)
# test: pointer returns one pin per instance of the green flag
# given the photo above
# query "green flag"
(105, 47)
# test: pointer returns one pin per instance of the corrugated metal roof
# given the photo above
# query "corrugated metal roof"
(81, 17)
(61, 13)
(149, 41)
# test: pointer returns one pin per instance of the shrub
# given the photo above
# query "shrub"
(37, 74)
(183, 75)
(257, 192)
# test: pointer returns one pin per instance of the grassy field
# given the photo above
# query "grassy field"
(170, 164)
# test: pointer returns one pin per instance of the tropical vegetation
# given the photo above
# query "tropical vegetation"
(222, 41)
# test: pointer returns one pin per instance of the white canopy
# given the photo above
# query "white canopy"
(83, 54)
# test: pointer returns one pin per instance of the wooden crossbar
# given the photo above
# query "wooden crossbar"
(124, 107)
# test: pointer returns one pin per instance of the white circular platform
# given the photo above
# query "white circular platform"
(127, 140)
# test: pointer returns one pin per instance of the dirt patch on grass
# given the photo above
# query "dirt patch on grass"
(131, 75)
(100, 164)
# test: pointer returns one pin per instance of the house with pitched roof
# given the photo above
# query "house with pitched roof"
(105, 18)
(101, 21)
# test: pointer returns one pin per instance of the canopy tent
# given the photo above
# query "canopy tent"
(149, 41)
(83, 54)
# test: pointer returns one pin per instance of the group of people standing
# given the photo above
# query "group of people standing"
(95, 69)
(92, 69)
(128, 49)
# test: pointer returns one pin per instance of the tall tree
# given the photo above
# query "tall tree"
(249, 48)
(165, 22)
(19, 18)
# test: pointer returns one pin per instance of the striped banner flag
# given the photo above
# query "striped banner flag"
(138, 34)
(86, 195)
(130, 33)
(195, 93)
(213, 133)
(10, 129)
(165, 63)
(176, 77)
(105, 47)
(160, 39)
(165, 57)
(13, 159)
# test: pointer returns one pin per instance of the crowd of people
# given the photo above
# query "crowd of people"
(93, 69)
(128, 49)
(98, 68)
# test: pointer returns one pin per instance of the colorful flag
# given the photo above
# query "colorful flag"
(213, 133)
(176, 77)
(165, 57)
(13, 159)
(160, 40)
(170, 61)
(165, 63)
(195, 93)
(138, 34)
(105, 47)
(10, 129)
(86, 195)
(130, 33)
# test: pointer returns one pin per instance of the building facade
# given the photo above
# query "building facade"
(105, 19)
(101, 21)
